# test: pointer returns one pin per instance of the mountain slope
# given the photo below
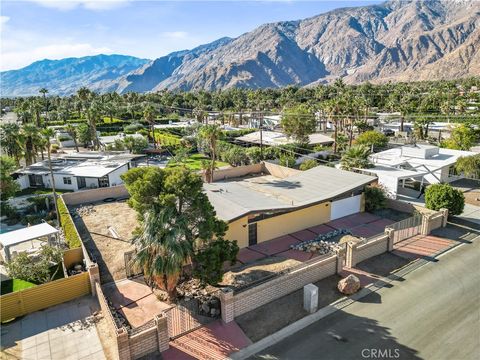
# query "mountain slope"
(65, 76)
(393, 41)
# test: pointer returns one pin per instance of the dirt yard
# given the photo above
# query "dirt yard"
(279, 313)
(244, 275)
(383, 264)
(471, 190)
(93, 225)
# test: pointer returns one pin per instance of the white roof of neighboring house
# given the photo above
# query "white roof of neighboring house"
(249, 194)
(278, 138)
(87, 164)
(403, 155)
(26, 234)
(111, 139)
(382, 171)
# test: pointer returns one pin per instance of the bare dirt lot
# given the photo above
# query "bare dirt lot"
(470, 189)
(93, 225)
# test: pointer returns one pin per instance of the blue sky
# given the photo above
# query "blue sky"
(35, 30)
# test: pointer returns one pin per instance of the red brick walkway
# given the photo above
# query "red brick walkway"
(213, 341)
(422, 246)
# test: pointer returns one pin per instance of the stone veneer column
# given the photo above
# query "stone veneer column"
(227, 305)
(445, 216)
(123, 345)
(94, 274)
(390, 232)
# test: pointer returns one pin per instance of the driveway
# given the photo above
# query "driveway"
(65, 331)
(433, 314)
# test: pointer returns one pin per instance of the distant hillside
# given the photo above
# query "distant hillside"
(394, 41)
(66, 76)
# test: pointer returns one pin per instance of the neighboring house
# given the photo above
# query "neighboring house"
(264, 201)
(78, 171)
(274, 138)
(108, 140)
(405, 169)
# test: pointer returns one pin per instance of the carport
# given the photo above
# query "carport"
(42, 232)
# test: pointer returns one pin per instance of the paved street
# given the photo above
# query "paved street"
(431, 313)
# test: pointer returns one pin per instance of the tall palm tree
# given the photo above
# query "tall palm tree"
(44, 92)
(72, 131)
(162, 249)
(211, 134)
(93, 115)
(355, 158)
(36, 108)
(149, 115)
(33, 142)
(47, 134)
(84, 95)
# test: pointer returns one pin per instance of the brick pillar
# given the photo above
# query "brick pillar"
(123, 345)
(94, 274)
(162, 331)
(350, 256)
(340, 259)
(425, 228)
(390, 232)
(445, 216)
(227, 305)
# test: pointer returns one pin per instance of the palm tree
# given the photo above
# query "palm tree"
(210, 134)
(162, 249)
(93, 115)
(83, 95)
(36, 108)
(44, 92)
(47, 134)
(33, 142)
(355, 158)
(149, 115)
(72, 131)
(12, 141)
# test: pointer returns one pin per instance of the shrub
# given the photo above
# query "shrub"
(209, 261)
(308, 164)
(372, 137)
(71, 236)
(287, 160)
(254, 154)
(132, 128)
(438, 196)
(236, 156)
(375, 198)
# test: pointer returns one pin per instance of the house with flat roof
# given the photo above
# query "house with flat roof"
(274, 138)
(264, 201)
(405, 169)
(77, 171)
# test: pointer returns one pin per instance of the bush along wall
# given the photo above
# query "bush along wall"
(71, 236)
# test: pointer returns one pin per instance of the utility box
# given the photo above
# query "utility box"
(310, 298)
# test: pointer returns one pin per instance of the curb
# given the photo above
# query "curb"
(335, 306)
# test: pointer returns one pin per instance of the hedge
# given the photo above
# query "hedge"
(71, 235)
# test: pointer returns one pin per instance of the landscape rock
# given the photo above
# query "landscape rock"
(349, 285)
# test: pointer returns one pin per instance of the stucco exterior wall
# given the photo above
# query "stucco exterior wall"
(293, 221)
(114, 176)
(238, 230)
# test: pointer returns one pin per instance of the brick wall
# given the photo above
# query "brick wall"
(372, 248)
(143, 343)
(234, 305)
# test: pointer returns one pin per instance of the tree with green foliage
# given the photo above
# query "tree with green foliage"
(135, 144)
(439, 196)
(375, 198)
(149, 114)
(84, 134)
(209, 261)
(12, 141)
(8, 185)
(356, 158)
(254, 153)
(210, 134)
(72, 131)
(308, 164)
(469, 166)
(236, 156)
(36, 270)
(298, 122)
(462, 137)
(287, 160)
(372, 138)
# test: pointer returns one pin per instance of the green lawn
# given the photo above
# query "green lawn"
(106, 120)
(12, 285)
(194, 162)
(167, 139)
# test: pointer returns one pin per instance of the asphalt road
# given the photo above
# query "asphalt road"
(434, 314)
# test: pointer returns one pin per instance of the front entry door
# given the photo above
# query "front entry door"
(252, 234)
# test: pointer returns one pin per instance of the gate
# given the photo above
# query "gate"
(406, 228)
(129, 268)
(182, 319)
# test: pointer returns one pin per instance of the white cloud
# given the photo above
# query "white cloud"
(65, 5)
(175, 34)
(4, 19)
(18, 59)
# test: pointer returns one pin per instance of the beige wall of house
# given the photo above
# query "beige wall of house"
(276, 226)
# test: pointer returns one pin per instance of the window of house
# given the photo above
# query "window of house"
(67, 180)
(103, 181)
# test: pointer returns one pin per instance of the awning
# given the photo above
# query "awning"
(26, 234)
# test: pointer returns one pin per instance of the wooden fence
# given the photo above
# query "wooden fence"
(43, 296)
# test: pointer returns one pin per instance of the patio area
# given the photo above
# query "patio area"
(134, 300)
(361, 225)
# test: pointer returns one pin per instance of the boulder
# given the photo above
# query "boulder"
(349, 285)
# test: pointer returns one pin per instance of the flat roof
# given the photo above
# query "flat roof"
(278, 138)
(26, 234)
(394, 172)
(234, 198)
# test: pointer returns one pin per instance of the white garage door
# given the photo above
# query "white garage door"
(344, 207)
